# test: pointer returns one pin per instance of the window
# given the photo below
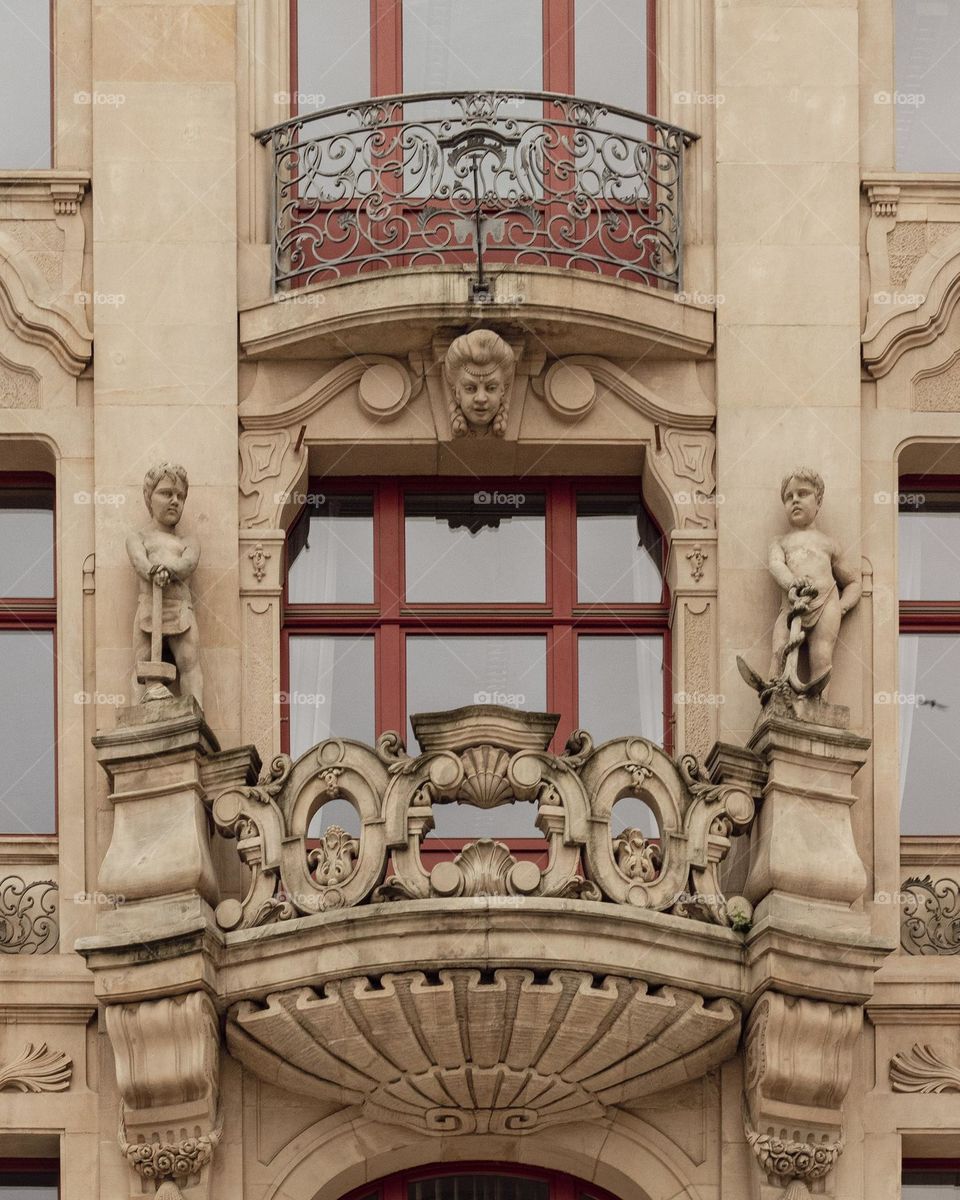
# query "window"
(927, 62)
(479, 1181)
(29, 1179)
(25, 34)
(27, 625)
(929, 693)
(417, 596)
(930, 1179)
(348, 50)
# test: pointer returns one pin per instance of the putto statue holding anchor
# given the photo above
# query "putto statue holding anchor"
(819, 587)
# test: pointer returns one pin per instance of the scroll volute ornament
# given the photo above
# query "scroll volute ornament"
(798, 1067)
(483, 756)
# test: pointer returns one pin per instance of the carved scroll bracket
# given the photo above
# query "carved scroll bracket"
(167, 1060)
(798, 1067)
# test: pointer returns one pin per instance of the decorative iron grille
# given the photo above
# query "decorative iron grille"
(483, 179)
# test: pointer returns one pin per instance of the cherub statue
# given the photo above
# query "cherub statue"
(479, 369)
(819, 587)
(164, 561)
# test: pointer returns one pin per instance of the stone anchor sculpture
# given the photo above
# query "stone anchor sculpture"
(479, 369)
(819, 588)
(164, 562)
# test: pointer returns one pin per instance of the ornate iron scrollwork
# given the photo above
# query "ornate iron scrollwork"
(930, 922)
(28, 916)
(526, 177)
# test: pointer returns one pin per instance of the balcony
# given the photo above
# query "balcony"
(567, 209)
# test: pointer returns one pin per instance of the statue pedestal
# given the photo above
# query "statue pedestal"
(804, 864)
(158, 867)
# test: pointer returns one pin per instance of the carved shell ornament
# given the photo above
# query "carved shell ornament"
(479, 368)
(461, 1053)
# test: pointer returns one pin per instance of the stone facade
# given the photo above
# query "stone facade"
(196, 1004)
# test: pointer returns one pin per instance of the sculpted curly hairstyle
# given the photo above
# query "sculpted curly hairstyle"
(157, 472)
(485, 351)
(806, 475)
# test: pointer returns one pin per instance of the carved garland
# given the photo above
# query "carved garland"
(170, 1163)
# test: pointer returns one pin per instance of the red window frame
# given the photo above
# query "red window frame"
(559, 57)
(562, 1186)
(45, 1170)
(562, 617)
(37, 613)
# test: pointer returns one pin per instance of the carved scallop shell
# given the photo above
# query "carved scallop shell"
(462, 1053)
(485, 783)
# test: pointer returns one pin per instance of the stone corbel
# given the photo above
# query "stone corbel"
(167, 1060)
(798, 1067)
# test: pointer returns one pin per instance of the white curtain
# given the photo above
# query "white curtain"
(909, 554)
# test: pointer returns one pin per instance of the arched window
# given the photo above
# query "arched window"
(479, 1181)
(407, 596)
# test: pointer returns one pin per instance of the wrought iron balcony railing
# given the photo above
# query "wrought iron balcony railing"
(486, 179)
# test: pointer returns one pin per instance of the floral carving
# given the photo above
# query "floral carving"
(930, 922)
(920, 1070)
(170, 1163)
(793, 1164)
(697, 557)
(259, 557)
(636, 857)
(335, 859)
(28, 922)
(37, 1070)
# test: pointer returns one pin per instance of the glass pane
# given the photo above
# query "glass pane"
(621, 687)
(480, 547)
(25, 38)
(333, 54)
(331, 552)
(517, 820)
(26, 542)
(610, 49)
(478, 1187)
(927, 40)
(619, 551)
(459, 45)
(931, 1185)
(929, 546)
(27, 797)
(27, 1191)
(449, 672)
(331, 690)
(929, 700)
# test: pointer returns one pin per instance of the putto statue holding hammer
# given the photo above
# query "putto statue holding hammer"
(819, 588)
(164, 561)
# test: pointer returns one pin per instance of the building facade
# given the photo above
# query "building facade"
(403, 800)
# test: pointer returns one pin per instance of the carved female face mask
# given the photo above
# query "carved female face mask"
(480, 396)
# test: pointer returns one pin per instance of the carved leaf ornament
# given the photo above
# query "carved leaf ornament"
(37, 1070)
(484, 757)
